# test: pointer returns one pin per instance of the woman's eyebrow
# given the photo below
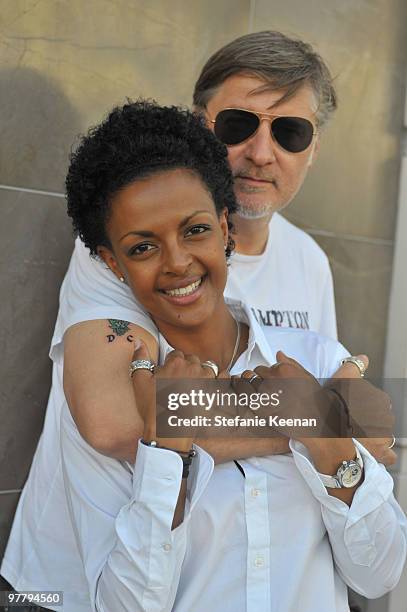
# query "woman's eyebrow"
(149, 234)
(187, 219)
(143, 233)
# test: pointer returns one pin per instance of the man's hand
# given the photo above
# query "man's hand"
(378, 447)
(377, 399)
(350, 370)
(300, 397)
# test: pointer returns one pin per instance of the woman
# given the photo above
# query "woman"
(149, 191)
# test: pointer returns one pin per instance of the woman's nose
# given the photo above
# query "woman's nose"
(176, 260)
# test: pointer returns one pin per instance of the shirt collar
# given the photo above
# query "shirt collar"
(257, 340)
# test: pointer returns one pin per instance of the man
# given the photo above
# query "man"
(277, 268)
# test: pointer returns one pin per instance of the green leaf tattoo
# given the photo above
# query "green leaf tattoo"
(119, 327)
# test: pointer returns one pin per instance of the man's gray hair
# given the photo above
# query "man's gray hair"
(282, 62)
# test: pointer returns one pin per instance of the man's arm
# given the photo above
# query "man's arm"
(97, 386)
(101, 398)
(228, 449)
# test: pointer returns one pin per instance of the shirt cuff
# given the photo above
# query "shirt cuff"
(157, 476)
(375, 489)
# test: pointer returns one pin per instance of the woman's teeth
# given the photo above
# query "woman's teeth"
(184, 290)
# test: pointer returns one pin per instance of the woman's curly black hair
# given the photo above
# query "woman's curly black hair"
(135, 141)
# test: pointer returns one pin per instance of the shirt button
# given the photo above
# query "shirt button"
(259, 562)
(167, 547)
(255, 492)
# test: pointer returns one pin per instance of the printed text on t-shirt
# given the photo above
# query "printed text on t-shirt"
(282, 318)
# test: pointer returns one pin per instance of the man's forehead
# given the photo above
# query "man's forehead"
(251, 90)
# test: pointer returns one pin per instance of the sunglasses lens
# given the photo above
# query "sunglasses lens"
(294, 134)
(233, 126)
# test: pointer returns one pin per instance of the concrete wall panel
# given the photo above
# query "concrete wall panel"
(65, 64)
(362, 273)
(35, 243)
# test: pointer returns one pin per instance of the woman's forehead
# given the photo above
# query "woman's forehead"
(168, 197)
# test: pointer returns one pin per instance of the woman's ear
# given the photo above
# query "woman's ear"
(223, 221)
(110, 260)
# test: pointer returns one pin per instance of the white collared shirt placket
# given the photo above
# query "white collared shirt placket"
(258, 538)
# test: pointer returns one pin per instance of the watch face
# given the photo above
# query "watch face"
(351, 475)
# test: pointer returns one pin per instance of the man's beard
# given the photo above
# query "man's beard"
(246, 211)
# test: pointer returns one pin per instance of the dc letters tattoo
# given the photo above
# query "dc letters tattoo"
(119, 328)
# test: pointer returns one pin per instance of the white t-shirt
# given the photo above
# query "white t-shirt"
(289, 285)
(100, 530)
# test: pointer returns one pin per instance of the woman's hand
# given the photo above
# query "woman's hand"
(177, 365)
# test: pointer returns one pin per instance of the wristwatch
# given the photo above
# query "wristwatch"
(348, 475)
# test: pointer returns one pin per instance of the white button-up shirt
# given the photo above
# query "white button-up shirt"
(271, 539)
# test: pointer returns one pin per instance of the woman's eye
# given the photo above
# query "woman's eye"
(140, 249)
(197, 229)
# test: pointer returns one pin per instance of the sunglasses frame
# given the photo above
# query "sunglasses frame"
(267, 117)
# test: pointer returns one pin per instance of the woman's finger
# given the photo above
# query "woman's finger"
(174, 355)
(192, 359)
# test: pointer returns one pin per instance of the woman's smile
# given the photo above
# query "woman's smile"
(184, 292)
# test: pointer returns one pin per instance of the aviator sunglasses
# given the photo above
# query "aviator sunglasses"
(236, 125)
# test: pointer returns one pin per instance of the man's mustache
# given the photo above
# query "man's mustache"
(260, 175)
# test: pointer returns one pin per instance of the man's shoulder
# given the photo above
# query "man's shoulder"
(295, 239)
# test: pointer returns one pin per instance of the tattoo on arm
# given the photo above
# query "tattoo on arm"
(119, 328)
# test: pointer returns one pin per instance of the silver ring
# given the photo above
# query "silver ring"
(212, 366)
(141, 364)
(357, 362)
(393, 443)
(254, 377)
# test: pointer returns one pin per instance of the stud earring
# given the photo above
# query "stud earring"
(122, 279)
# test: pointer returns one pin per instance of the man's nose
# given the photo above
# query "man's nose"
(261, 147)
(176, 259)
